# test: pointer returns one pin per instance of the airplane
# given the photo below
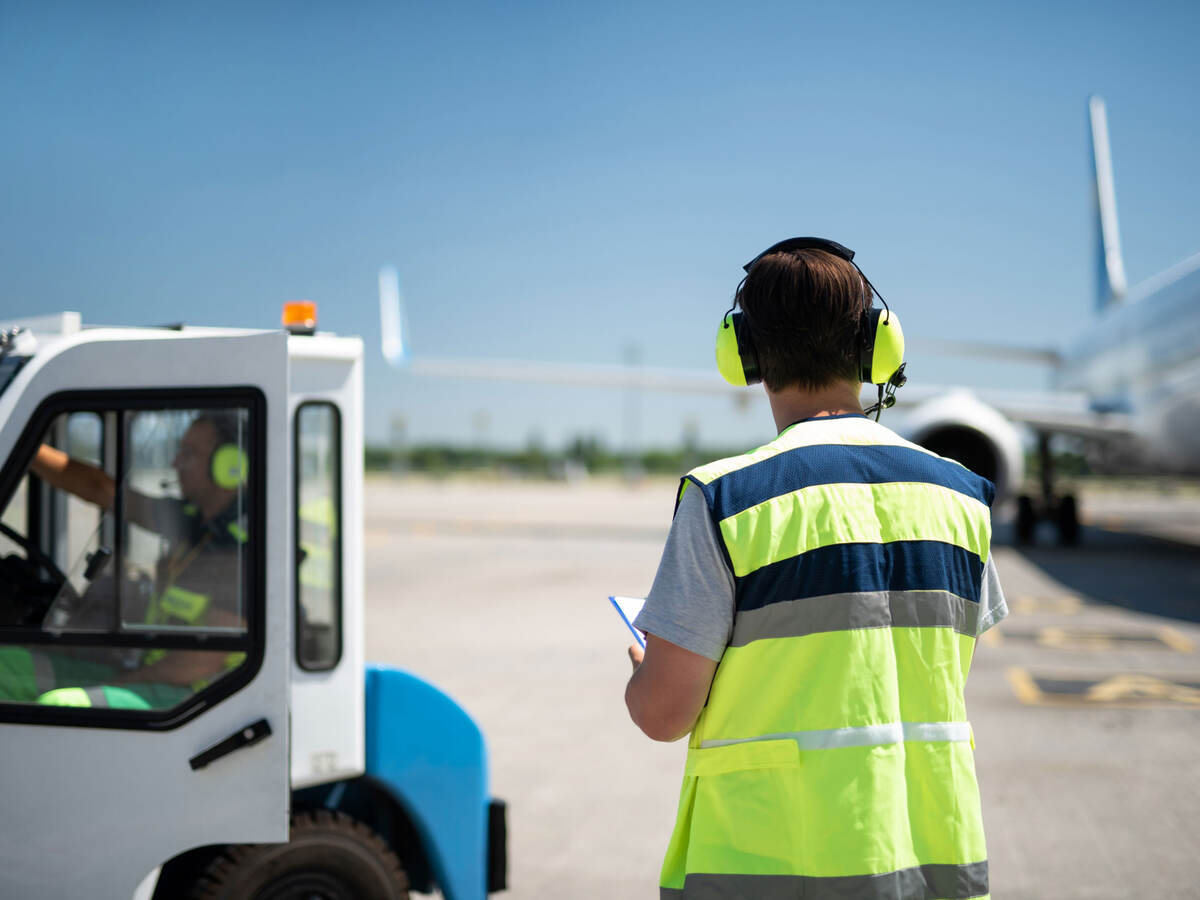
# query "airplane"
(1128, 384)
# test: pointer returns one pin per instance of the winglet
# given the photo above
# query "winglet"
(1110, 269)
(391, 327)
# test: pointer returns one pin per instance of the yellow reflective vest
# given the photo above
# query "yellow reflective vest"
(834, 757)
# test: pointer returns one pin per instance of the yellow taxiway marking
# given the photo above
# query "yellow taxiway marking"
(1059, 604)
(1176, 640)
(1094, 640)
(1117, 689)
(992, 638)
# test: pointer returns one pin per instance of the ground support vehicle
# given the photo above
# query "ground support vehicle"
(280, 766)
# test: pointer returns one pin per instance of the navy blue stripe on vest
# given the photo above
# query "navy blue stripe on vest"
(848, 568)
(838, 464)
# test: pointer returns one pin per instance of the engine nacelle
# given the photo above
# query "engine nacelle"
(962, 427)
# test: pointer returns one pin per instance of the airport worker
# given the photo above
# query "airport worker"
(196, 580)
(813, 618)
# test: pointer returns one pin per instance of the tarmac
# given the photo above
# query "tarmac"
(1085, 702)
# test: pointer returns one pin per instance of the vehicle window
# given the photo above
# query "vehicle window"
(318, 527)
(13, 518)
(9, 367)
(124, 558)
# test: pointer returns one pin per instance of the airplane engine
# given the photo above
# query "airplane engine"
(962, 427)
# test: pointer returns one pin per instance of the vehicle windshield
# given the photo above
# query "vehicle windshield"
(9, 367)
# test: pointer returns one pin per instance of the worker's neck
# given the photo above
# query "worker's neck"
(793, 405)
(214, 504)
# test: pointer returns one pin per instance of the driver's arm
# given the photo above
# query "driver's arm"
(90, 483)
(183, 667)
(82, 479)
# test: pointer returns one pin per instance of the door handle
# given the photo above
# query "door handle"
(244, 737)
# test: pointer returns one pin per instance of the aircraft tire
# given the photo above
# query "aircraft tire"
(1067, 516)
(1026, 522)
(329, 855)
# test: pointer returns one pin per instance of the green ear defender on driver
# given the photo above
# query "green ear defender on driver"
(230, 466)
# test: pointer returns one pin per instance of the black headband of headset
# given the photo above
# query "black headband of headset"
(804, 243)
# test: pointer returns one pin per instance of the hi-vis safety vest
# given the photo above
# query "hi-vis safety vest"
(174, 605)
(834, 757)
(177, 605)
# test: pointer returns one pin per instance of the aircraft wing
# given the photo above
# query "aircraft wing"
(977, 349)
(1053, 412)
(1072, 419)
(694, 381)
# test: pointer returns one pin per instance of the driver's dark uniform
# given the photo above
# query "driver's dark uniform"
(200, 573)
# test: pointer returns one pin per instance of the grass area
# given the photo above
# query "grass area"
(583, 457)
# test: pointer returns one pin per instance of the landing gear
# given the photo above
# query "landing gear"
(1026, 519)
(1062, 511)
(1067, 519)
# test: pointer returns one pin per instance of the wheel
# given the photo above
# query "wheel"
(330, 856)
(1067, 516)
(1026, 519)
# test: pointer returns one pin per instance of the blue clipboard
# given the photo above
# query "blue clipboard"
(628, 608)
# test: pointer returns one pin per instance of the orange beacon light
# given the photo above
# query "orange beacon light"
(300, 316)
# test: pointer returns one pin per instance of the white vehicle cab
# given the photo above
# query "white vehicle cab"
(184, 706)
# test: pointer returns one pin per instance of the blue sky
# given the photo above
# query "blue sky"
(564, 182)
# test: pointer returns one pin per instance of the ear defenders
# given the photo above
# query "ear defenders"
(881, 358)
(230, 466)
(737, 359)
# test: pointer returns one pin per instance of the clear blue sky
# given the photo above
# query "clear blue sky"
(563, 181)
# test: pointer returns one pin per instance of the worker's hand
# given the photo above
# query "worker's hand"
(636, 655)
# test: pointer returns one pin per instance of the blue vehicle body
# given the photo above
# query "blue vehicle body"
(431, 756)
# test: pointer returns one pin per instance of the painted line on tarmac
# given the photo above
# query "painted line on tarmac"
(1096, 640)
(1125, 690)
(1058, 604)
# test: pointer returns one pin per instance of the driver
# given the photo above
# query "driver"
(197, 579)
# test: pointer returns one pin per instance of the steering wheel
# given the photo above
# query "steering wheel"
(63, 589)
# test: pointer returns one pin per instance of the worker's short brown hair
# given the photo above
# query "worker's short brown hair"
(805, 309)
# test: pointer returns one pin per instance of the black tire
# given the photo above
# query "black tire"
(1026, 520)
(1068, 521)
(330, 856)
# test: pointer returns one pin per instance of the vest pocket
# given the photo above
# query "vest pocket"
(780, 753)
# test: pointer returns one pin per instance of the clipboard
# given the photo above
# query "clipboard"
(628, 608)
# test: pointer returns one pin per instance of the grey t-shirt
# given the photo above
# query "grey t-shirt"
(691, 603)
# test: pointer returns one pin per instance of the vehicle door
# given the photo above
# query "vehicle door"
(145, 609)
(328, 728)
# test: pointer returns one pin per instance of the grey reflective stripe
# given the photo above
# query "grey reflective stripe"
(867, 609)
(43, 672)
(863, 736)
(938, 881)
(97, 696)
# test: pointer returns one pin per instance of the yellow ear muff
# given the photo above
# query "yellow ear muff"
(737, 360)
(729, 363)
(887, 349)
(230, 467)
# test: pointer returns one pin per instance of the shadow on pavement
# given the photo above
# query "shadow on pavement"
(1134, 571)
